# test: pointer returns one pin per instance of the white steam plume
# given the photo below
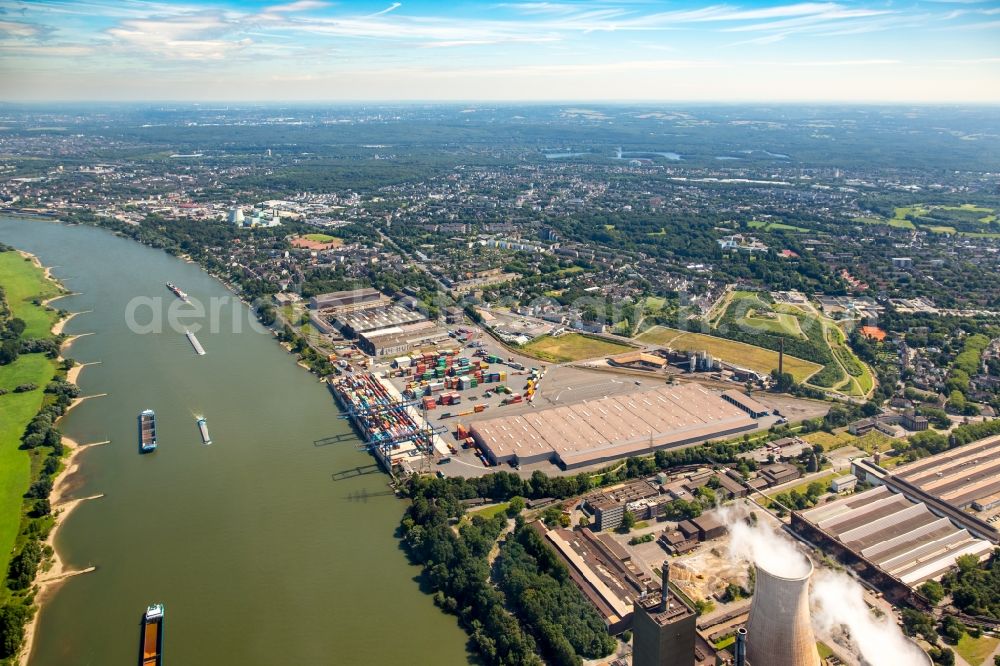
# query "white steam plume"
(761, 545)
(837, 599)
(838, 602)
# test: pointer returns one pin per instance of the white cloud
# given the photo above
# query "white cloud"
(298, 6)
(47, 51)
(203, 36)
(16, 29)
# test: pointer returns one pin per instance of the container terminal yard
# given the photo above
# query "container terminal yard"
(462, 404)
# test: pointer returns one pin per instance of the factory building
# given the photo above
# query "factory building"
(967, 476)
(889, 539)
(746, 403)
(844, 484)
(610, 428)
(603, 570)
(354, 323)
(638, 360)
(664, 630)
(778, 473)
(608, 507)
(349, 301)
(397, 340)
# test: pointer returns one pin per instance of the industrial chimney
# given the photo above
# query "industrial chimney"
(779, 632)
(664, 585)
(741, 647)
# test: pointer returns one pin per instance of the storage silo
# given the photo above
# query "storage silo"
(779, 632)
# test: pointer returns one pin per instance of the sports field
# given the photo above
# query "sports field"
(571, 347)
(324, 238)
(738, 353)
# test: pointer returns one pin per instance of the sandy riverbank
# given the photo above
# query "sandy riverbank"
(58, 327)
(53, 570)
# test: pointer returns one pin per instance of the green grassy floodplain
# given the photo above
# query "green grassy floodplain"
(23, 282)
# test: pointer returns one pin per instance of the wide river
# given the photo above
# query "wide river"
(263, 546)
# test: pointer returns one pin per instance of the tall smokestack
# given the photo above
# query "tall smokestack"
(664, 585)
(781, 356)
(741, 647)
(779, 632)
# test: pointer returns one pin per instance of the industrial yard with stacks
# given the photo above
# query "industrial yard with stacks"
(450, 400)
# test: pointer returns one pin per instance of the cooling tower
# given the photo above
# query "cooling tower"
(779, 632)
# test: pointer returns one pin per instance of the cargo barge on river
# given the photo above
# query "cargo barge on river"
(151, 652)
(203, 429)
(194, 343)
(176, 291)
(147, 430)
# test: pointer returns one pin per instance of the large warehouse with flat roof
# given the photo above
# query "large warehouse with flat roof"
(610, 428)
(904, 539)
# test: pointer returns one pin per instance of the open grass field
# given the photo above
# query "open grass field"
(825, 479)
(873, 439)
(930, 218)
(323, 238)
(893, 222)
(569, 270)
(976, 650)
(777, 323)
(23, 282)
(830, 441)
(16, 410)
(738, 353)
(775, 226)
(571, 347)
(489, 511)
(758, 315)
(654, 303)
(750, 312)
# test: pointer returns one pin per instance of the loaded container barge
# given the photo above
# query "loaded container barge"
(152, 637)
(147, 430)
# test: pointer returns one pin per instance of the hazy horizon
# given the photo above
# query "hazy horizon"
(629, 51)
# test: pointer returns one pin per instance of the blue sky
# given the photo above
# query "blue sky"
(690, 50)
